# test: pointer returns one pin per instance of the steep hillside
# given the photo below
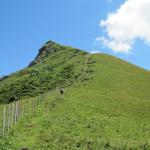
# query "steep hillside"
(55, 65)
(105, 107)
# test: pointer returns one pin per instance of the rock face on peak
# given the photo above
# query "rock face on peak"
(45, 50)
(54, 66)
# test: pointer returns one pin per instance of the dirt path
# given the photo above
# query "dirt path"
(86, 62)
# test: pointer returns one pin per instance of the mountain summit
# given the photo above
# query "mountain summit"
(55, 65)
(105, 105)
(45, 50)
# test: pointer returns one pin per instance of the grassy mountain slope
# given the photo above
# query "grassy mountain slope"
(108, 111)
(54, 65)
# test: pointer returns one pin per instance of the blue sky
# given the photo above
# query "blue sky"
(25, 25)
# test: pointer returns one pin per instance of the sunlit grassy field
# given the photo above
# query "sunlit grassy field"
(109, 111)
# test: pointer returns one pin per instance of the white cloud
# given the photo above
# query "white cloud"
(95, 52)
(129, 22)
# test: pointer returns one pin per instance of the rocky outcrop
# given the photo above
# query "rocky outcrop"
(46, 49)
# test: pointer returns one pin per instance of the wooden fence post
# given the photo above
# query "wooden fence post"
(3, 120)
(18, 116)
(12, 112)
(22, 113)
(12, 115)
(9, 117)
(15, 113)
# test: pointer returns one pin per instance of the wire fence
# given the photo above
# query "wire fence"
(12, 112)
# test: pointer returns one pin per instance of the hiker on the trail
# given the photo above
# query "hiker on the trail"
(61, 91)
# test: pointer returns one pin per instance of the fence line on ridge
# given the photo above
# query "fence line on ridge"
(12, 112)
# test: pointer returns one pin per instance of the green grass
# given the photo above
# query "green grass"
(50, 69)
(108, 112)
